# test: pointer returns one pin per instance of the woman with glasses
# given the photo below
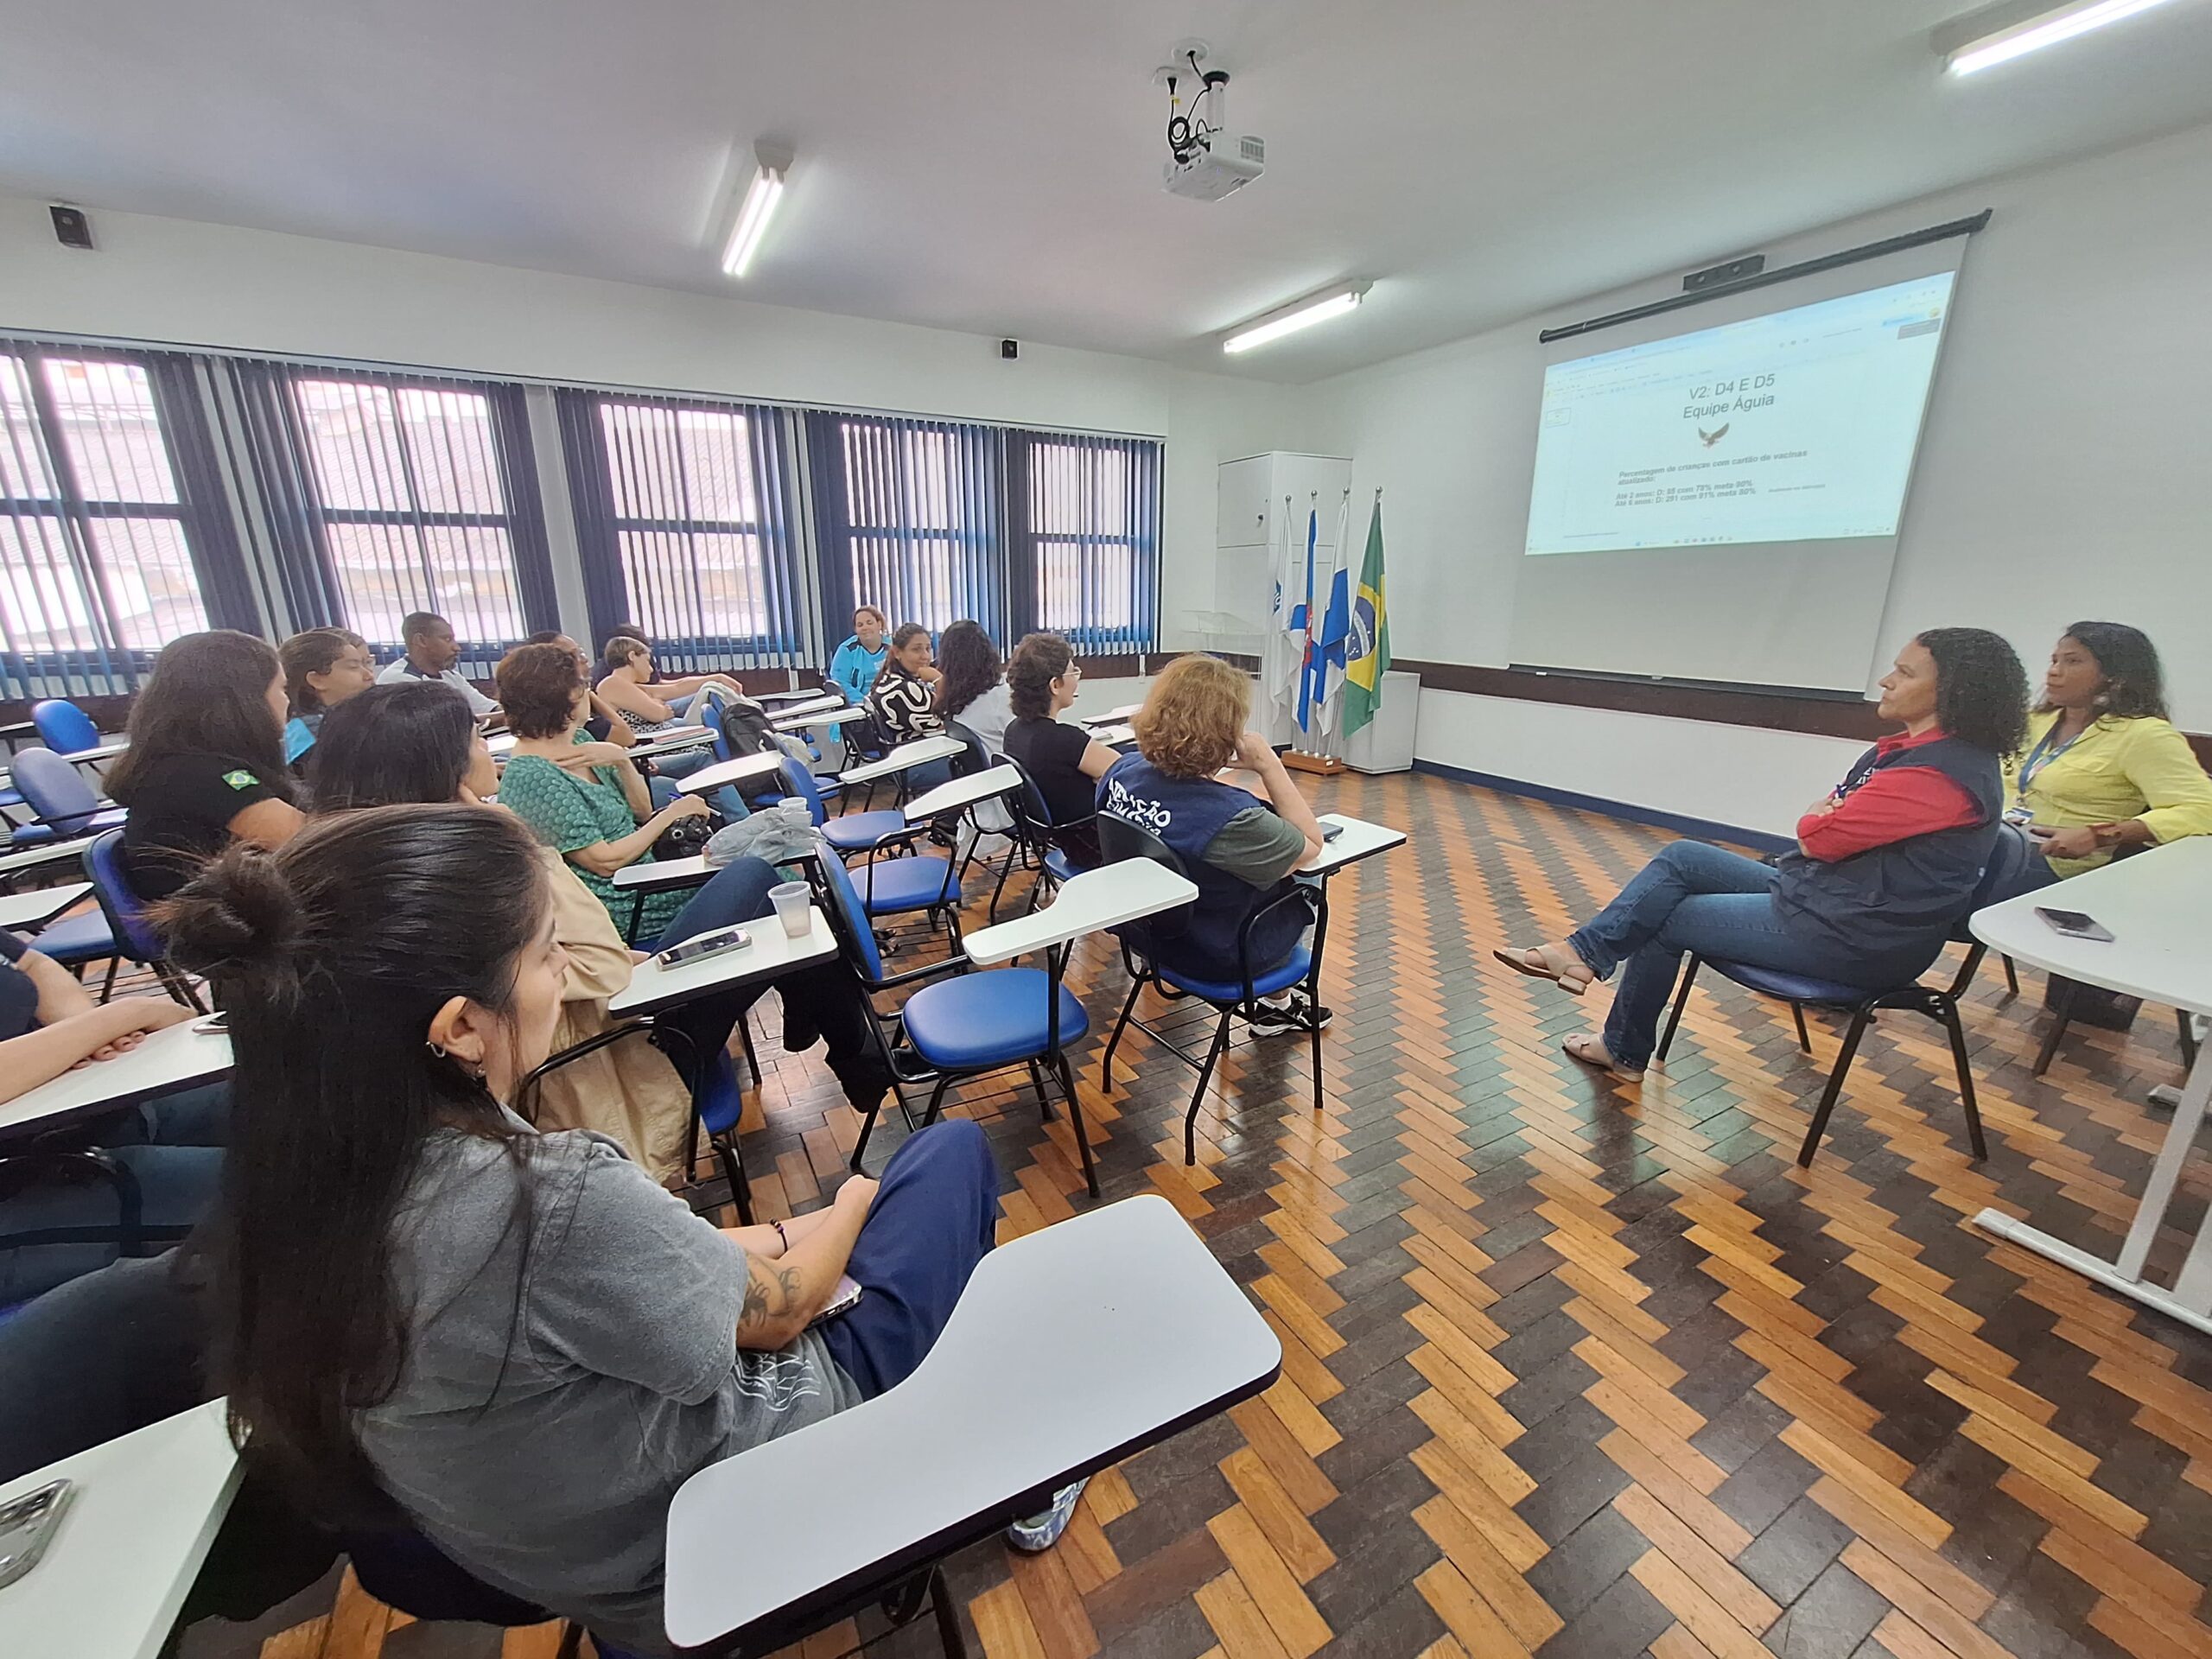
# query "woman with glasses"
(1063, 759)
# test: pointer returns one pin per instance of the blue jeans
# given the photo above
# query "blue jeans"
(935, 1216)
(661, 786)
(1700, 899)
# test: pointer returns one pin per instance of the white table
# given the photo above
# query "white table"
(824, 720)
(146, 1508)
(499, 743)
(671, 742)
(170, 1059)
(1359, 839)
(798, 694)
(708, 779)
(799, 714)
(1088, 902)
(662, 874)
(27, 912)
(1113, 736)
(50, 852)
(1112, 716)
(1127, 1332)
(905, 758)
(771, 952)
(106, 751)
(2159, 907)
(955, 793)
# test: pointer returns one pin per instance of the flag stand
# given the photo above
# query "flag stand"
(1298, 760)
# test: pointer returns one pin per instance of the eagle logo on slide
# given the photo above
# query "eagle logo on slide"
(1715, 435)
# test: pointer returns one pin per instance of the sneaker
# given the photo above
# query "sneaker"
(1042, 1530)
(1294, 1013)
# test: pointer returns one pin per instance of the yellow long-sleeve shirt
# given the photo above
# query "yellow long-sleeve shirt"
(2117, 769)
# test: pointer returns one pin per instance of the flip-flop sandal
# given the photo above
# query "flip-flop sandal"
(1517, 961)
(1618, 1073)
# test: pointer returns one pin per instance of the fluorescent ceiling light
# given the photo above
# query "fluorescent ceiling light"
(1336, 302)
(1986, 39)
(758, 209)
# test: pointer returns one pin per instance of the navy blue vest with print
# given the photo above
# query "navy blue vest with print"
(1187, 813)
(1890, 909)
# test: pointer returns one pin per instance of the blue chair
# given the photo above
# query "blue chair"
(401, 1568)
(1034, 841)
(63, 726)
(57, 792)
(1119, 839)
(970, 1024)
(2002, 877)
(133, 932)
(76, 940)
(848, 832)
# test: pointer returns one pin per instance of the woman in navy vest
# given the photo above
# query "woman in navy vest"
(1885, 864)
(1238, 848)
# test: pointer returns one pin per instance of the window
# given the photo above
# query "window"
(682, 519)
(97, 567)
(409, 491)
(1092, 533)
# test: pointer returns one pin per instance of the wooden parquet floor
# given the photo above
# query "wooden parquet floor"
(1577, 1370)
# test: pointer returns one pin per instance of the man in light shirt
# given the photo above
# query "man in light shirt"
(431, 653)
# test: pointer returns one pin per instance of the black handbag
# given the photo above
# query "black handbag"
(685, 838)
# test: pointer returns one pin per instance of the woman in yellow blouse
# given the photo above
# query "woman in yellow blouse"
(2104, 768)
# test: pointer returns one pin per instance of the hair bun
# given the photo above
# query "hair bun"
(237, 918)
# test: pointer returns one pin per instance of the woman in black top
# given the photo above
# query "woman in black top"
(206, 765)
(1063, 760)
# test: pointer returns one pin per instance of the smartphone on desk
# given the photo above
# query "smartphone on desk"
(214, 1026)
(1331, 831)
(27, 1525)
(705, 945)
(2075, 924)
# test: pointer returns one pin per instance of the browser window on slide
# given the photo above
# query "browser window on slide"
(1796, 426)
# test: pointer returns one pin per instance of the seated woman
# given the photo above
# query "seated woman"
(604, 725)
(2105, 770)
(1239, 849)
(173, 1147)
(854, 665)
(676, 695)
(322, 668)
(518, 1339)
(1885, 864)
(903, 702)
(629, 694)
(971, 684)
(206, 765)
(1063, 759)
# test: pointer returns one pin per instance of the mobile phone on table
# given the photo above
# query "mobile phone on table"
(705, 945)
(215, 1024)
(1331, 831)
(27, 1525)
(2075, 924)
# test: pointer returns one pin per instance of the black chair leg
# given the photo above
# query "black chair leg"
(2188, 1038)
(1075, 1122)
(745, 1041)
(572, 1642)
(1674, 1018)
(1314, 1005)
(948, 1617)
(1967, 970)
(1106, 1065)
(1197, 1097)
(1859, 1020)
(1044, 1099)
(741, 1192)
(2061, 1014)
(178, 987)
(1804, 1038)
(936, 1098)
(107, 985)
(1005, 870)
(2012, 976)
(1947, 1011)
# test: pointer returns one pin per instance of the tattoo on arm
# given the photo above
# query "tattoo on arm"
(771, 1295)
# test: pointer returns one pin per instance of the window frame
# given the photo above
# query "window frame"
(1028, 540)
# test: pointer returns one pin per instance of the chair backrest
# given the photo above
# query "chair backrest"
(848, 913)
(54, 789)
(1118, 839)
(64, 727)
(978, 757)
(799, 780)
(1032, 818)
(125, 911)
(2005, 875)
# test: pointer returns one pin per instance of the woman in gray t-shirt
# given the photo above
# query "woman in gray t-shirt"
(518, 1338)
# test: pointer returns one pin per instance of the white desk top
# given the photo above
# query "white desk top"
(951, 795)
(51, 852)
(796, 694)
(26, 911)
(145, 1511)
(1114, 736)
(1360, 839)
(823, 719)
(663, 873)
(1128, 1330)
(771, 952)
(170, 1059)
(2159, 907)
(499, 743)
(106, 751)
(919, 753)
(1112, 716)
(1091, 901)
(795, 712)
(707, 779)
(670, 742)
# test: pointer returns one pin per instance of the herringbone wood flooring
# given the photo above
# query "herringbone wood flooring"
(1576, 1370)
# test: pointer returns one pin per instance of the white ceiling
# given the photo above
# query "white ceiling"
(992, 165)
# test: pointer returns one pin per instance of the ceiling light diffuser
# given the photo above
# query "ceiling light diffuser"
(756, 209)
(1986, 39)
(1335, 303)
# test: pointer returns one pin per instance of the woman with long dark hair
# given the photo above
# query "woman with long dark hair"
(206, 765)
(322, 668)
(518, 1339)
(2104, 768)
(903, 701)
(971, 684)
(1884, 865)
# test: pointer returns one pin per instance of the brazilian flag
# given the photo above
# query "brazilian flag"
(1367, 654)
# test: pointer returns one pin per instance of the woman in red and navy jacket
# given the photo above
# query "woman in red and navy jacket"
(1883, 866)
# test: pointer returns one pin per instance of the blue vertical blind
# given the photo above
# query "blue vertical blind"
(102, 548)
(1090, 538)
(915, 519)
(685, 525)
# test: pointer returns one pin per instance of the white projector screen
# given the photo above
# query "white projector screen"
(1717, 492)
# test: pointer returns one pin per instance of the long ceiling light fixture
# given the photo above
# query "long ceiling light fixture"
(1984, 39)
(757, 207)
(1337, 302)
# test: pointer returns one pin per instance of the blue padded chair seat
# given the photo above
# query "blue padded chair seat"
(989, 1019)
(1233, 990)
(725, 1100)
(31, 835)
(1791, 987)
(1058, 865)
(856, 832)
(76, 938)
(891, 884)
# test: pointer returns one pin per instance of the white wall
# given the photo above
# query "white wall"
(2063, 473)
(191, 283)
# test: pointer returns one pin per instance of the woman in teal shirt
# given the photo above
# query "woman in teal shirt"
(854, 666)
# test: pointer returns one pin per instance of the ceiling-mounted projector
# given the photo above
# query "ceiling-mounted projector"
(1205, 161)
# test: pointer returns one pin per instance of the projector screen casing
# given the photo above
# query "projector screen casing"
(1804, 615)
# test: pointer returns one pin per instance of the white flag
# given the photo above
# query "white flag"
(1284, 649)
